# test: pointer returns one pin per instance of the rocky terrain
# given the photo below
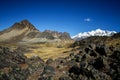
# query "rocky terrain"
(93, 58)
(49, 57)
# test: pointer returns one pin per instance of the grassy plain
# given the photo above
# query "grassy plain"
(48, 50)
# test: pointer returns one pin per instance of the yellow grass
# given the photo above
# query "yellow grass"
(113, 42)
(46, 51)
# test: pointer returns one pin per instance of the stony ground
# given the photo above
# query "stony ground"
(91, 59)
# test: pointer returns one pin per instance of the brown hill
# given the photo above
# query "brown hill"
(24, 31)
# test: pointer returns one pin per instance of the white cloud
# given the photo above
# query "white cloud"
(87, 19)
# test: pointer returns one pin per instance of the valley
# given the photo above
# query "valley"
(46, 52)
(43, 50)
(50, 55)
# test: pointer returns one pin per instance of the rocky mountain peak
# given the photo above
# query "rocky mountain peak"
(24, 24)
(25, 21)
(24, 31)
(56, 34)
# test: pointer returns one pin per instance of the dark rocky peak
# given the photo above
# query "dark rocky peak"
(65, 35)
(24, 24)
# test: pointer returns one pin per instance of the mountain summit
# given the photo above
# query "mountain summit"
(24, 31)
(97, 32)
(24, 24)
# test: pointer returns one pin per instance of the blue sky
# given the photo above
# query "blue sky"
(72, 16)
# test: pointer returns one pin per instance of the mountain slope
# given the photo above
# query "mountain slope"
(24, 31)
(16, 31)
(97, 32)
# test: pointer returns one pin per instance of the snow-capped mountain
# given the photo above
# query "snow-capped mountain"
(97, 32)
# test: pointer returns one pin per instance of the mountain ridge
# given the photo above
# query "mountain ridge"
(24, 31)
(97, 32)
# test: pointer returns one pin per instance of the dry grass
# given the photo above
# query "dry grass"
(48, 50)
(113, 42)
(44, 50)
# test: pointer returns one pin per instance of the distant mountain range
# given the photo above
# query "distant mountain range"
(24, 31)
(97, 32)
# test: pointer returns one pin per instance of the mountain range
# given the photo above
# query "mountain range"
(92, 58)
(24, 31)
(97, 32)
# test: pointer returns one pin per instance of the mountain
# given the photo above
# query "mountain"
(97, 32)
(93, 58)
(24, 31)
